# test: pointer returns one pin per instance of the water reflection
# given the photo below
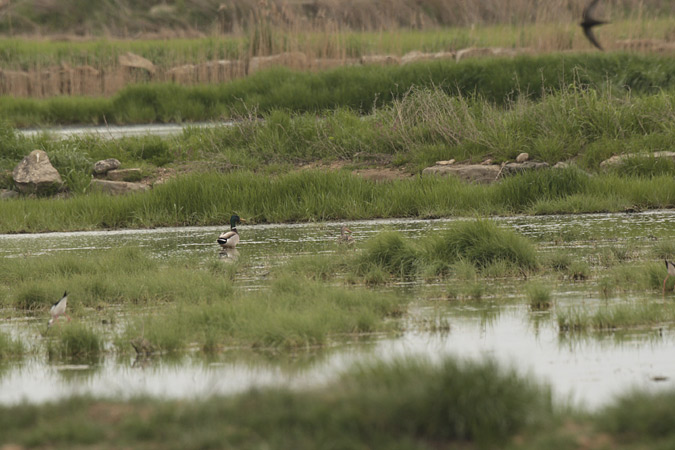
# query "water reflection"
(444, 320)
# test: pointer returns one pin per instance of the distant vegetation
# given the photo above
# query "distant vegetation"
(128, 18)
(360, 88)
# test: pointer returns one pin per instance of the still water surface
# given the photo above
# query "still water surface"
(589, 371)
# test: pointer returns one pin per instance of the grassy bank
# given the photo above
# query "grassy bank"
(210, 198)
(422, 127)
(361, 88)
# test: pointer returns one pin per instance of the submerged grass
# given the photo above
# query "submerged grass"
(293, 313)
(125, 275)
(616, 317)
(74, 341)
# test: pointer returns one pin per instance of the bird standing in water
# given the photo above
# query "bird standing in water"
(230, 238)
(58, 309)
(345, 235)
(588, 22)
(670, 266)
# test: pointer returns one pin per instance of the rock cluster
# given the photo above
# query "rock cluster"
(486, 172)
(116, 180)
(36, 175)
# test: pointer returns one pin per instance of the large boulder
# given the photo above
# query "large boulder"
(35, 174)
(116, 187)
(476, 173)
(105, 165)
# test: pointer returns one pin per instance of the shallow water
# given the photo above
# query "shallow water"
(589, 371)
(116, 132)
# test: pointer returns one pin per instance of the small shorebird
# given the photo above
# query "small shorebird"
(345, 236)
(588, 22)
(671, 273)
(59, 309)
(230, 238)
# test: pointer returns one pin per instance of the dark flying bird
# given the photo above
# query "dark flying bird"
(588, 22)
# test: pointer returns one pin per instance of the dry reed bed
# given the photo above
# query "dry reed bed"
(89, 81)
(192, 17)
(40, 69)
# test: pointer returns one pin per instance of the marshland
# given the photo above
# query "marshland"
(529, 312)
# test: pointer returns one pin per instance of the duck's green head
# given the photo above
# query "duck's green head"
(234, 220)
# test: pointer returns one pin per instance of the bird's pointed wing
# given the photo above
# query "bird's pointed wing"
(586, 14)
(591, 37)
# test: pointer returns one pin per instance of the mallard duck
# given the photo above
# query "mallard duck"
(229, 239)
(59, 309)
(671, 273)
(345, 236)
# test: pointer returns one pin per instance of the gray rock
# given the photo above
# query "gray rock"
(476, 173)
(35, 174)
(105, 165)
(124, 175)
(522, 157)
(516, 168)
(6, 193)
(116, 187)
(561, 165)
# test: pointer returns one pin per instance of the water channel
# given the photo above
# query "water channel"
(588, 371)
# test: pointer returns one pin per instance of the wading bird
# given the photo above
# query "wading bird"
(671, 273)
(345, 236)
(588, 22)
(59, 309)
(230, 238)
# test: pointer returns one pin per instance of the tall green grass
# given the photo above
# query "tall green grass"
(209, 199)
(482, 243)
(362, 89)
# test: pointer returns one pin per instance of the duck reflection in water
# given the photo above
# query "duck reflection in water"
(228, 254)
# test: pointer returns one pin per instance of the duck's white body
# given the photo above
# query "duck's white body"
(229, 239)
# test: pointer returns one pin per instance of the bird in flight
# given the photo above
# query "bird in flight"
(588, 22)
